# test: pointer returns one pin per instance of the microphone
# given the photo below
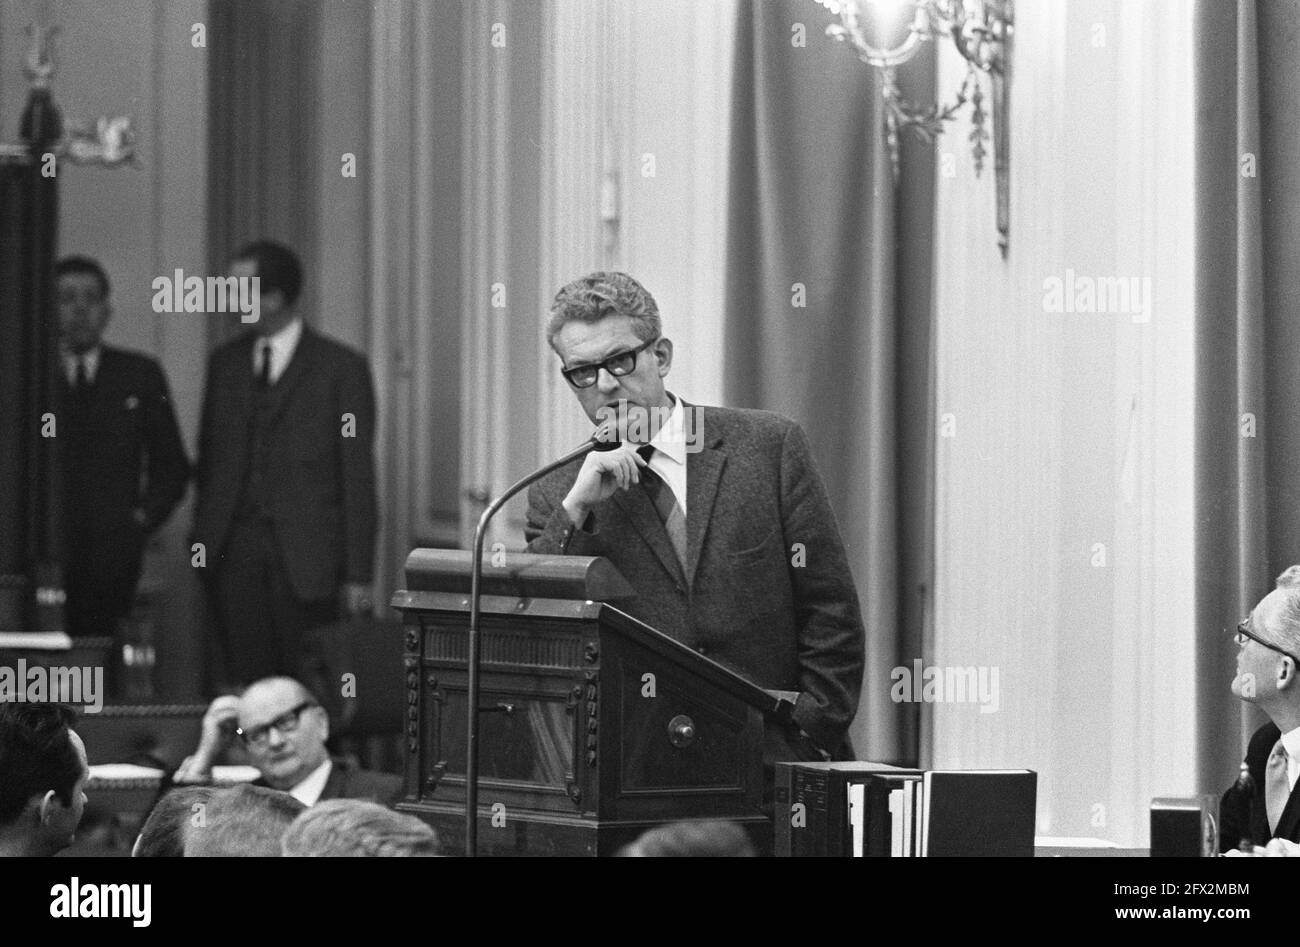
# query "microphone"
(604, 439)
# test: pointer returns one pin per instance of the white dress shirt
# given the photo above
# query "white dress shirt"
(283, 344)
(669, 458)
(1291, 743)
(308, 791)
(91, 361)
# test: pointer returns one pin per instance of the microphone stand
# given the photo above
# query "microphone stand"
(597, 442)
(1245, 787)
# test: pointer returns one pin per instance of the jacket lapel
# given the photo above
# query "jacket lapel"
(636, 506)
(241, 386)
(298, 367)
(336, 785)
(1288, 826)
(703, 472)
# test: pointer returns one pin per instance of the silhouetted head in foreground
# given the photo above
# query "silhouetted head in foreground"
(163, 832)
(351, 828)
(242, 821)
(702, 839)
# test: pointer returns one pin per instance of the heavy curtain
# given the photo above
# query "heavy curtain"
(263, 161)
(828, 316)
(1248, 340)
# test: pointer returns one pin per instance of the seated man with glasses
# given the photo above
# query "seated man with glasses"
(284, 729)
(716, 516)
(1263, 808)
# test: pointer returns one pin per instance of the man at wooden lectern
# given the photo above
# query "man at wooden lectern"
(717, 516)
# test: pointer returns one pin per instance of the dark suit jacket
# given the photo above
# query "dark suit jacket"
(753, 493)
(1248, 818)
(322, 498)
(349, 782)
(122, 451)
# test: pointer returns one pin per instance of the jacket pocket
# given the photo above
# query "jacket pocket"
(754, 555)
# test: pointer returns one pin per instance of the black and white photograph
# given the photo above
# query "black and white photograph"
(822, 429)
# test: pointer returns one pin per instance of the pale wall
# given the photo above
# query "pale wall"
(1064, 501)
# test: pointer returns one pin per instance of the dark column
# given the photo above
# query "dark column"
(31, 574)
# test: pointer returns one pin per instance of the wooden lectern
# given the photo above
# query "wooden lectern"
(595, 726)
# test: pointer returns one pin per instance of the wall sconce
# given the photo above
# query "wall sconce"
(888, 33)
(108, 142)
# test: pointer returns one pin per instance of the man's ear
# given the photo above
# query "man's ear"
(664, 355)
(1286, 673)
(45, 811)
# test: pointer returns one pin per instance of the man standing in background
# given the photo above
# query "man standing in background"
(124, 465)
(286, 483)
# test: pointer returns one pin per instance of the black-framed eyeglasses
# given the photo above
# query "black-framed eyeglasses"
(287, 722)
(1244, 634)
(618, 365)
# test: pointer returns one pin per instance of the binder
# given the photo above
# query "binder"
(811, 817)
(978, 813)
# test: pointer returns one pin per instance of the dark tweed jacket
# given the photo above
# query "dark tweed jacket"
(748, 598)
(322, 497)
(1241, 818)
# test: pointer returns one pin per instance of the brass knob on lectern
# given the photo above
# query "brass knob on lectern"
(681, 731)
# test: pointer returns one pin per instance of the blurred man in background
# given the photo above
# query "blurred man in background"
(284, 729)
(286, 504)
(124, 465)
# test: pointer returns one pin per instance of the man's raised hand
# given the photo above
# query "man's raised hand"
(602, 473)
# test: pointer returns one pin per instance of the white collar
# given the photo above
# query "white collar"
(308, 791)
(1291, 740)
(671, 438)
(90, 358)
(286, 340)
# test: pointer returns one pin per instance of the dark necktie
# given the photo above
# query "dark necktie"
(264, 366)
(666, 505)
(81, 384)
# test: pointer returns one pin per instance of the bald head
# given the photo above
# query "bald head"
(1283, 608)
(1269, 657)
(284, 729)
(273, 689)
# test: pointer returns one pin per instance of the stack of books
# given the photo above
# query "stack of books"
(863, 809)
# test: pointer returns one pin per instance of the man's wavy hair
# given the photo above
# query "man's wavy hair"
(597, 295)
(357, 828)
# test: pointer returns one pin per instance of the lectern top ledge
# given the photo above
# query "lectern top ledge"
(523, 575)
